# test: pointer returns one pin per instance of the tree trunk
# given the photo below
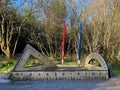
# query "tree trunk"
(5, 50)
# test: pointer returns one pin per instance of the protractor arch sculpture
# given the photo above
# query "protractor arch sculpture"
(100, 60)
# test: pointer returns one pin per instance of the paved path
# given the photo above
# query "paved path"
(112, 84)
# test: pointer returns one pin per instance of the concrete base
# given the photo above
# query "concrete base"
(57, 75)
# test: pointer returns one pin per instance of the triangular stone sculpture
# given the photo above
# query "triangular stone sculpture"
(29, 50)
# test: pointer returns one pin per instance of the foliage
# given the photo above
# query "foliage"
(115, 68)
(32, 62)
(10, 27)
(47, 36)
(116, 72)
(6, 65)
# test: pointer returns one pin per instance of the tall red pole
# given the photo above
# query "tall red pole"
(63, 42)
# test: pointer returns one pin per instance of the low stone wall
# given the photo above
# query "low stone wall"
(57, 75)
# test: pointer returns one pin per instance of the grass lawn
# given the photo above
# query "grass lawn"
(116, 72)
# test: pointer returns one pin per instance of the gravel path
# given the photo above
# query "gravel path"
(111, 84)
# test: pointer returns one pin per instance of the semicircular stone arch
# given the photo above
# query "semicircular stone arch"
(97, 57)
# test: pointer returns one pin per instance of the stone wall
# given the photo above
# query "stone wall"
(57, 75)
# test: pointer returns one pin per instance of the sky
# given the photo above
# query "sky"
(18, 2)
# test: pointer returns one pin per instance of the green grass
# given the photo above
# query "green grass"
(116, 72)
(115, 68)
(6, 66)
(32, 62)
(68, 60)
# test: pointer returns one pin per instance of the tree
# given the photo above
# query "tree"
(48, 38)
(11, 22)
(101, 27)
